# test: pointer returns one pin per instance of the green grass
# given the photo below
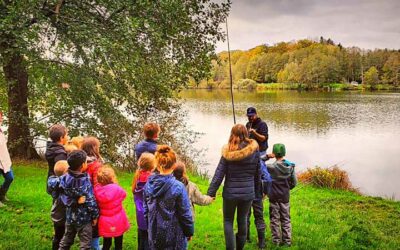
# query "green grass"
(321, 218)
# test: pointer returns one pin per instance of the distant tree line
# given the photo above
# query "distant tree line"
(312, 63)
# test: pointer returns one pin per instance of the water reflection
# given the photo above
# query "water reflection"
(358, 131)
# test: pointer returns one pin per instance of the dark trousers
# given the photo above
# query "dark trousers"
(84, 233)
(229, 208)
(117, 243)
(281, 228)
(59, 230)
(258, 211)
(143, 240)
(8, 178)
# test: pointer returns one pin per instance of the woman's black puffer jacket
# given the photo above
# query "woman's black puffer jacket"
(241, 171)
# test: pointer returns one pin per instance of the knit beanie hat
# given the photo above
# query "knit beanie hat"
(279, 150)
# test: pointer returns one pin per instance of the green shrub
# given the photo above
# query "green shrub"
(248, 84)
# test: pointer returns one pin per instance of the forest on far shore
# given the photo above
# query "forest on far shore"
(308, 62)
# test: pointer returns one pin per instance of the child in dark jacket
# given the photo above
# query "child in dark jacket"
(79, 217)
(146, 164)
(167, 205)
(58, 208)
(55, 148)
(149, 144)
(283, 180)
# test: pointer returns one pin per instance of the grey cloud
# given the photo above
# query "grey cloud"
(365, 23)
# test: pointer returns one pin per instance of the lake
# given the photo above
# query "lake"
(358, 131)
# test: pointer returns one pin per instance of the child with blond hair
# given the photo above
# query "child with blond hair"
(77, 141)
(113, 222)
(195, 195)
(58, 208)
(146, 164)
(167, 205)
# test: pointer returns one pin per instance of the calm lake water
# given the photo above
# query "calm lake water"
(359, 132)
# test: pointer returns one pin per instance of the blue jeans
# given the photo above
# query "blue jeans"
(8, 178)
(95, 244)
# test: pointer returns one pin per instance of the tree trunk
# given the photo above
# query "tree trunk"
(19, 140)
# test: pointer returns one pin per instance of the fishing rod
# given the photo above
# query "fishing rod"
(230, 71)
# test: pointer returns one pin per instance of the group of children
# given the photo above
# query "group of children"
(87, 201)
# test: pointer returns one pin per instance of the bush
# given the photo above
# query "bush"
(332, 177)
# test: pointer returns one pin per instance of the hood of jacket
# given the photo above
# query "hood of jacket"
(53, 149)
(157, 184)
(109, 193)
(240, 154)
(283, 168)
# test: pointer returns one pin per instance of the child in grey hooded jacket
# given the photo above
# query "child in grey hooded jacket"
(283, 180)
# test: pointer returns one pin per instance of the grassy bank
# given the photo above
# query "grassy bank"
(321, 218)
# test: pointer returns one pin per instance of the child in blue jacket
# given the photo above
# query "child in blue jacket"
(79, 217)
(149, 144)
(167, 208)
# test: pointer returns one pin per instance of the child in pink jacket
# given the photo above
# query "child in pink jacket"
(113, 222)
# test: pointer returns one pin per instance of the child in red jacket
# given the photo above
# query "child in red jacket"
(91, 145)
(113, 222)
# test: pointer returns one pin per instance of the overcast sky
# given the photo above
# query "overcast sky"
(366, 24)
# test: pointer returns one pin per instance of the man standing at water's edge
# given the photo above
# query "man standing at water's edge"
(258, 130)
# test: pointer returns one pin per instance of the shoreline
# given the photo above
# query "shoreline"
(301, 87)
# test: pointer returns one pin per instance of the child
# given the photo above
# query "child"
(58, 208)
(69, 148)
(55, 149)
(91, 145)
(79, 217)
(283, 179)
(195, 195)
(113, 222)
(77, 141)
(167, 206)
(74, 144)
(151, 131)
(146, 164)
(5, 166)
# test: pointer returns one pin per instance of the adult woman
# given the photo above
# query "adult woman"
(239, 165)
(5, 166)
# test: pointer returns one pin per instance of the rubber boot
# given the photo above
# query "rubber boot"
(2, 195)
(261, 238)
(248, 234)
(240, 243)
